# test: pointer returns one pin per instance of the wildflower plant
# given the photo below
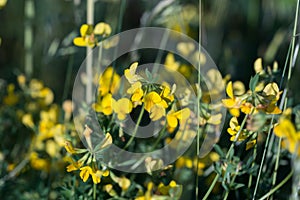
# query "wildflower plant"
(151, 118)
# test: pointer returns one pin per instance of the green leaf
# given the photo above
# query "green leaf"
(219, 150)
(253, 82)
(148, 74)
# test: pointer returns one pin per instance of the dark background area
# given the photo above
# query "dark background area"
(234, 32)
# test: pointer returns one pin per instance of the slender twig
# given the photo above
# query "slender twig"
(89, 55)
(278, 186)
(198, 97)
(136, 127)
(263, 157)
(291, 63)
(227, 156)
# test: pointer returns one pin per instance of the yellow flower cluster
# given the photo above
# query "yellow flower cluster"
(88, 34)
(286, 130)
(262, 99)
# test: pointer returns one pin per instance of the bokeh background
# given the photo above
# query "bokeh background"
(234, 32)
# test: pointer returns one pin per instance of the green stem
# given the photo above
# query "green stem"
(199, 97)
(29, 11)
(161, 133)
(277, 161)
(227, 156)
(287, 85)
(278, 186)
(232, 181)
(94, 191)
(89, 55)
(136, 127)
(253, 162)
(263, 157)
(211, 186)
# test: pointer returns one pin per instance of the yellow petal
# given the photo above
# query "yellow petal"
(285, 128)
(124, 183)
(172, 121)
(234, 112)
(258, 65)
(151, 99)
(99, 28)
(86, 30)
(183, 114)
(229, 103)
(170, 62)
(157, 111)
(250, 144)
(79, 41)
(238, 88)
(85, 173)
(229, 90)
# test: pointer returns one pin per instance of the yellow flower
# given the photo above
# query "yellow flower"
(136, 91)
(102, 29)
(21, 80)
(156, 112)
(74, 166)
(234, 128)
(109, 81)
(272, 91)
(105, 105)
(287, 130)
(52, 148)
(87, 37)
(85, 172)
(96, 175)
(233, 103)
(164, 189)
(109, 189)
(270, 95)
(122, 107)
(130, 73)
(258, 67)
(170, 63)
(69, 147)
(124, 183)
(12, 98)
(151, 99)
(2, 4)
(166, 93)
(38, 163)
(27, 120)
(174, 117)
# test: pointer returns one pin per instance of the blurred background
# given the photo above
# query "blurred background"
(38, 35)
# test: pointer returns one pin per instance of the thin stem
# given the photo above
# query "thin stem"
(227, 156)
(211, 186)
(28, 37)
(198, 98)
(136, 127)
(278, 186)
(291, 63)
(253, 162)
(263, 157)
(89, 55)
(94, 191)
(232, 181)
